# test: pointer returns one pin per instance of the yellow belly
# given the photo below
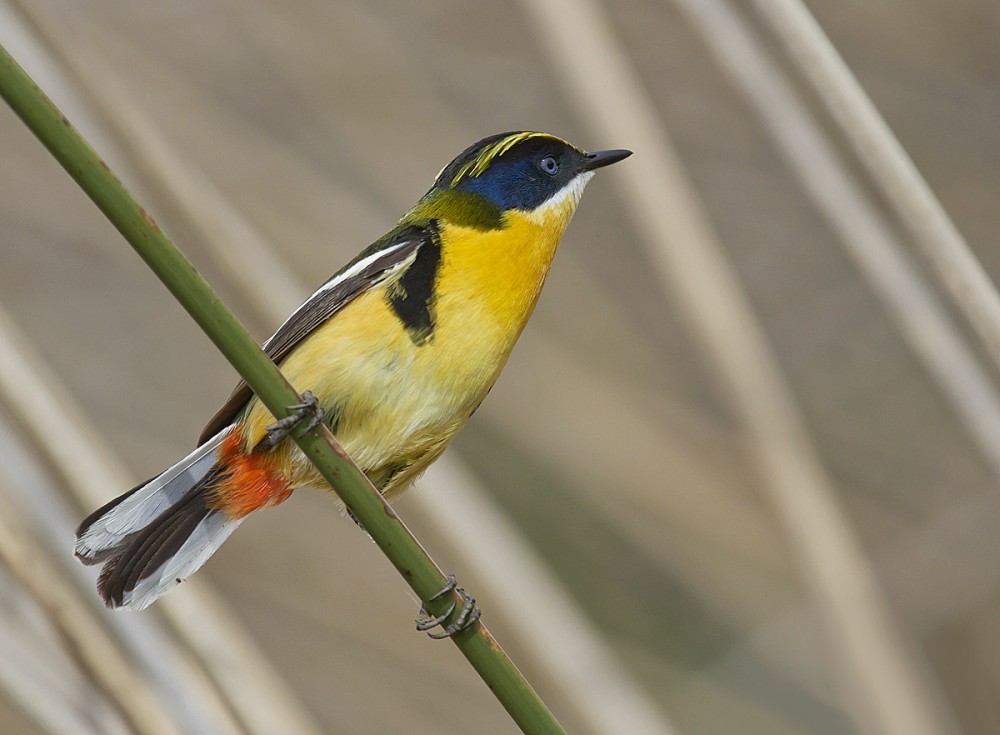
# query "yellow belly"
(398, 404)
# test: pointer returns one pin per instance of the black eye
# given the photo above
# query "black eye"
(549, 165)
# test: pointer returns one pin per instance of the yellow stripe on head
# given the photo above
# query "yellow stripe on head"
(514, 171)
(478, 165)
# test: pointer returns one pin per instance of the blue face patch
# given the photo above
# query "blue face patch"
(523, 177)
(513, 184)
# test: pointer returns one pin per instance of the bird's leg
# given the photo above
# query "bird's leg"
(467, 616)
(308, 412)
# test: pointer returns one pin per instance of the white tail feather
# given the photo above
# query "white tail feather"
(201, 544)
(142, 507)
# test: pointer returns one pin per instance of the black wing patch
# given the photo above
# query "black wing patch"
(365, 271)
(413, 296)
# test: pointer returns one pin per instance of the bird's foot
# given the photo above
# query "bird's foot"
(467, 616)
(309, 413)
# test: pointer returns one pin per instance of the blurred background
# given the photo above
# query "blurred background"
(614, 475)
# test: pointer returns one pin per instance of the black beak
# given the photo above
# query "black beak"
(600, 159)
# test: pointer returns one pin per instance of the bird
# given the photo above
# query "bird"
(393, 353)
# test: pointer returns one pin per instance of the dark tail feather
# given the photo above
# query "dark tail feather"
(143, 553)
(100, 555)
(157, 534)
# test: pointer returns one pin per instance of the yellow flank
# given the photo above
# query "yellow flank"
(398, 405)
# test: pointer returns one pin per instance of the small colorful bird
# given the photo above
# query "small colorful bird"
(395, 351)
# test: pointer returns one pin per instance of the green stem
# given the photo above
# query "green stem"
(193, 292)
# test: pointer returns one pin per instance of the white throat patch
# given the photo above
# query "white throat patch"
(563, 203)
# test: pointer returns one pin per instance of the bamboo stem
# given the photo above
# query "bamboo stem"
(264, 378)
(450, 498)
(256, 701)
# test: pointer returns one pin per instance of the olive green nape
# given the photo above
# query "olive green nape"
(456, 207)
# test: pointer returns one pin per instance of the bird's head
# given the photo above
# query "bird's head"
(537, 175)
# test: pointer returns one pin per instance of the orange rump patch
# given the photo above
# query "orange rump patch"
(247, 482)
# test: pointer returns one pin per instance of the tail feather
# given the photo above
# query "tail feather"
(157, 534)
(107, 528)
(88, 551)
(166, 570)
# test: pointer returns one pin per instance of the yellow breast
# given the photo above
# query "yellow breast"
(399, 403)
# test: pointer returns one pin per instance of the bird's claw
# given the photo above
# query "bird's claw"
(467, 616)
(308, 412)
